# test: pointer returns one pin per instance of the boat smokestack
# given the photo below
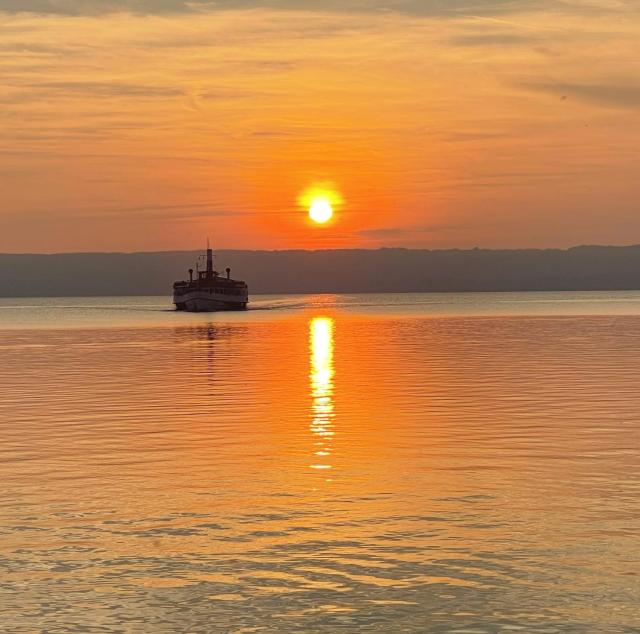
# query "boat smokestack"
(228, 272)
(209, 260)
(191, 275)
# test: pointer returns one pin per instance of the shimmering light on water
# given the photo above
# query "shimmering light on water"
(321, 348)
(324, 464)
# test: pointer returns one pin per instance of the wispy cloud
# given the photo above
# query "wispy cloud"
(496, 39)
(605, 94)
(26, 92)
(93, 7)
(107, 89)
(187, 210)
(402, 232)
(414, 7)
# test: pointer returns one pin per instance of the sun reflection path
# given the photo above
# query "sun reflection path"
(321, 384)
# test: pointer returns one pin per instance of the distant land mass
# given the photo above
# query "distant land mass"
(328, 271)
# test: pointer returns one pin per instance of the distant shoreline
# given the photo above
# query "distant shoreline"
(337, 250)
(385, 270)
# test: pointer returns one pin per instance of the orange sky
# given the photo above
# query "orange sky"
(141, 125)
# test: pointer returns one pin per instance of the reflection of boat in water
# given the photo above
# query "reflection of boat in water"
(210, 291)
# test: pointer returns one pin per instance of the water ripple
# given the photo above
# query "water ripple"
(479, 473)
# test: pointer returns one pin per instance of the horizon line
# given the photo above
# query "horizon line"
(329, 250)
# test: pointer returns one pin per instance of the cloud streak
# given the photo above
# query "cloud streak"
(496, 39)
(414, 7)
(107, 89)
(403, 232)
(604, 94)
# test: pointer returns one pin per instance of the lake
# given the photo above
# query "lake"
(460, 463)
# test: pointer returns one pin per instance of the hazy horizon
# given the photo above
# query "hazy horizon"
(329, 250)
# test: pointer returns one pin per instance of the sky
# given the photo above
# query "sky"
(145, 125)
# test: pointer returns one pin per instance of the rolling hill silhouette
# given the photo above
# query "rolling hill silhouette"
(330, 271)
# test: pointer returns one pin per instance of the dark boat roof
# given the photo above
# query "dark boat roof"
(209, 282)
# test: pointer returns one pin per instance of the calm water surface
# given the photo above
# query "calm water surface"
(392, 463)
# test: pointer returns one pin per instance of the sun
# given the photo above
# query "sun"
(320, 211)
(321, 201)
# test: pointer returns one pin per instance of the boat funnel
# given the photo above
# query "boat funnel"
(209, 262)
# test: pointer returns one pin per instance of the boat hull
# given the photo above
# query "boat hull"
(205, 302)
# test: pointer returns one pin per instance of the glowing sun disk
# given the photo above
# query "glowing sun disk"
(320, 211)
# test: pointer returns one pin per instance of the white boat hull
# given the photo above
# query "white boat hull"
(202, 301)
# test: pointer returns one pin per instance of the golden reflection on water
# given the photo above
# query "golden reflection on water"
(482, 486)
(321, 388)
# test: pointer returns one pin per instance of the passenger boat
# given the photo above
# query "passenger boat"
(210, 291)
